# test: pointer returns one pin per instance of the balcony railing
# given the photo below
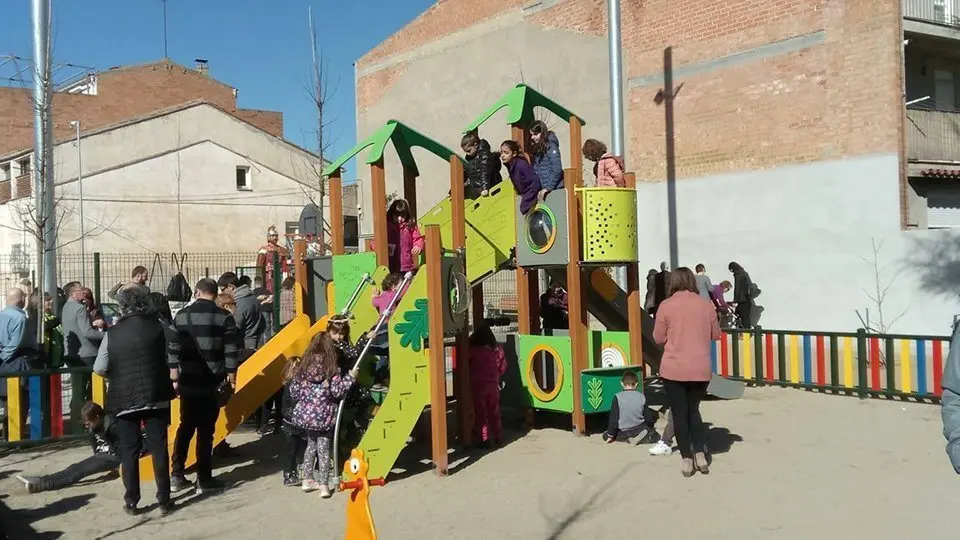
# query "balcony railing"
(933, 136)
(944, 12)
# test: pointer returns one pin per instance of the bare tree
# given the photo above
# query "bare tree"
(883, 281)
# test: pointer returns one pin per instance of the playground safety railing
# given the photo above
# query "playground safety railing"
(37, 406)
(861, 363)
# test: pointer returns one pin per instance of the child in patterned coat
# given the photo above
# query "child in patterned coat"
(317, 385)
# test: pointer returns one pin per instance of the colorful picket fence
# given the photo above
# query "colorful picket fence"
(861, 363)
(38, 403)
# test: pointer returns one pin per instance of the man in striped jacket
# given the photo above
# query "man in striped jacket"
(203, 359)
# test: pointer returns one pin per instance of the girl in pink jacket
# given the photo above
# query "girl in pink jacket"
(404, 241)
(608, 169)
(487, 364)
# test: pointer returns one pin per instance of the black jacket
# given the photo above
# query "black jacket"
(137, 372)
(741, 287)
(206, 347)
(481, 171)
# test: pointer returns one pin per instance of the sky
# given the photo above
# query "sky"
(259, 47)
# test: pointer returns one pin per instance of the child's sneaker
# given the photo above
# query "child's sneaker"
(661, 449)
(30, 483)
(291, 479)
(379, 388)
(309, 484)
(325, 492)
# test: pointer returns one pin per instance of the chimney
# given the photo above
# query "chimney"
(201, 66)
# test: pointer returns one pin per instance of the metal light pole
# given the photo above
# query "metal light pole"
(43, 144)
(616, 99)
(83, 247)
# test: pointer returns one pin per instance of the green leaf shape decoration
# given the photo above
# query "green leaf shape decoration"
(595, 392)
(415, 326)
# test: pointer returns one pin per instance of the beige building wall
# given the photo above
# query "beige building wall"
(134, 175)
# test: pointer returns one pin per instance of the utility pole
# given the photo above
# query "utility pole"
(616, 99)
(164, 2)
(43, 147)
(83, 247)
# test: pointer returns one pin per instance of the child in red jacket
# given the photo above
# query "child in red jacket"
(487, 364)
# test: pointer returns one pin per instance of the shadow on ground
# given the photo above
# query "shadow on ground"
(18, 525)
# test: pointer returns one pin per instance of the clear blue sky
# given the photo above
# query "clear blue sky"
(260, 47)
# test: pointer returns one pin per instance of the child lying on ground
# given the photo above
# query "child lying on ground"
(630, 416)
(103, 439)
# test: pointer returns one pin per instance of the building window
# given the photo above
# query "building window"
(943, 208)
(243, 178)
(5, 172)
(944, 91)
(351, 232)
(24, 165)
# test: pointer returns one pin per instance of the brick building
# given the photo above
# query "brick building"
(795, 153)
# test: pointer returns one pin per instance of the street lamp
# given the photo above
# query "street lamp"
(83, 251)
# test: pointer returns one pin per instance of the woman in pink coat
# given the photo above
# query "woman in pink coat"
(686, 326)
(608, 169)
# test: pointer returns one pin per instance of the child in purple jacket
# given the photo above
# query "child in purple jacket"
(317, 386)
(524, 178)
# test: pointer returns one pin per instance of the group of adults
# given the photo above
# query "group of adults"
(744, 291)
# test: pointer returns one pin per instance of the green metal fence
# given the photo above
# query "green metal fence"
(857, 363)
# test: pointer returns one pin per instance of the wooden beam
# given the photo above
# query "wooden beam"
(634, 300)
(576, 148)
(461, 375)
(410, 191)
(335, 185)
(378, 183)
(437, 369)
(577, 306)
(528, 286)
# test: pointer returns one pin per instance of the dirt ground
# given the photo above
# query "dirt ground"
(787, 464)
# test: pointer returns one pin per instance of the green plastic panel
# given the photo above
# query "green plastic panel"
(599, 385)
(609, 349)
(491, 229)
(348, 270)
(558, 396)
(520, 102)
(409, 380)
(609, 224)
(457, 301)
(403, 137)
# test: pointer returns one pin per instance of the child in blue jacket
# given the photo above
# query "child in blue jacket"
(545, 153)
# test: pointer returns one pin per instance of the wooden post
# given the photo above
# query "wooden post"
(437, 369)
(576, 148)
(577, 308)
(410, 191)
(378, 183)
(528, 296)
(634, 300)
(335, 184)
(461, 374)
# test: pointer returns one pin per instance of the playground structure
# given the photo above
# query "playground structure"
(574, 236)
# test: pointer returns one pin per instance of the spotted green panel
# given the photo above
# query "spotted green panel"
(609, 224)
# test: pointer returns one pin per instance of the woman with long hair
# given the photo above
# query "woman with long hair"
(686, 326)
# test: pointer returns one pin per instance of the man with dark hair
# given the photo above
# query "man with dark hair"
(203, 360)
(139, 276)
(81, 340)
(132, 356)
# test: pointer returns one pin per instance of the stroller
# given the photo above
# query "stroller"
(726, 315)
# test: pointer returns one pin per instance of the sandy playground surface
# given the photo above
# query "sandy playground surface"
(787, 464)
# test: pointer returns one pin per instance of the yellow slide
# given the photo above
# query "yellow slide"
(257, 379)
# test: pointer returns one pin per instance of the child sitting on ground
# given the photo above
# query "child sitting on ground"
(487, 364)
(318, 386)
(103, 439)
(482, 169)
(606, 168)
(629, 414)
